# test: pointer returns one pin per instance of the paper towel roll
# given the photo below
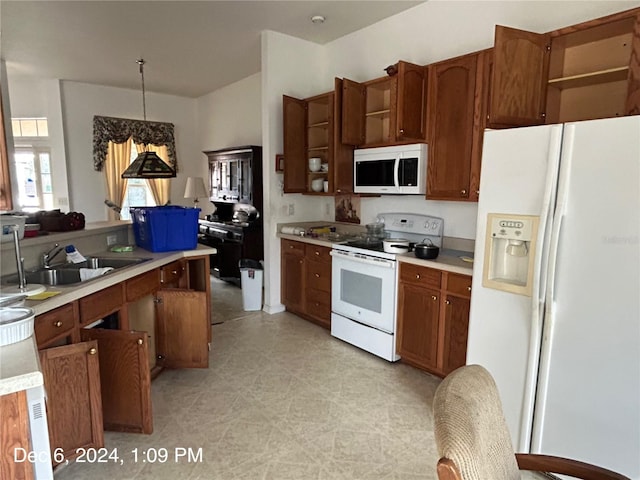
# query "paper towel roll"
(292, 230)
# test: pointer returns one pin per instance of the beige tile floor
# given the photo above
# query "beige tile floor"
(282, 399)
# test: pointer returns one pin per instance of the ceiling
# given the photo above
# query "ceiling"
(191, 48)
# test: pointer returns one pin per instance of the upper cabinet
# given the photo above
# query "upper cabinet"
(6, 202)
(519, 78)
(312, 129)
(386, 110)
(594, 70)
(583, 72)
(458, 92)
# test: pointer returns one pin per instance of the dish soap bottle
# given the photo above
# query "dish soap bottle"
(73, 255)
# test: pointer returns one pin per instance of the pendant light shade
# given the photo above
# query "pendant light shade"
(147, 164)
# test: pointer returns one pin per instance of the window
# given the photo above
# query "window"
(138, 193)
(32, 160)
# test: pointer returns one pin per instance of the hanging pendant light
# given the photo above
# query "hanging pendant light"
(147, 164)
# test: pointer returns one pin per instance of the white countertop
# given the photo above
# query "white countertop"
(20, 363)
(19, 366)
(448, 260)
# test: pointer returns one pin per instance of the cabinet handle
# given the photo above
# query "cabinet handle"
(463, 192)
(468, 288)
(290, 246)
(317, 275)
(434, 298)
(174, 272)
(300, 261)
(401, 131)
(447, 302)
(317, 253)
(140, 341)
(57, 324)
(93, 351)
(417, 276)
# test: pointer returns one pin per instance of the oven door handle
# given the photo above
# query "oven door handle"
(368, 261)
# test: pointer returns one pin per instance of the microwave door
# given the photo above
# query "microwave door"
(375, 175)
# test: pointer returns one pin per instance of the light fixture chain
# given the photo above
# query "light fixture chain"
(141, 62)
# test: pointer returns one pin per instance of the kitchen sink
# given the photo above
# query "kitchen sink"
(102, 262)
(69, 274)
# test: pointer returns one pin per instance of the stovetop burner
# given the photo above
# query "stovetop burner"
(366, 244)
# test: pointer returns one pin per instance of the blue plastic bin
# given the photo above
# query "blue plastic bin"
(163, 229)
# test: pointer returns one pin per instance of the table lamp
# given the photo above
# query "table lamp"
(195, 189)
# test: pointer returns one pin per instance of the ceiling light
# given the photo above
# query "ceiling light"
(317, 19)
(147, 164)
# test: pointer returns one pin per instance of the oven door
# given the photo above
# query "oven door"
(364, 289)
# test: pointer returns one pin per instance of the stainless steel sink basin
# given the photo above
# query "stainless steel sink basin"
(101, 262)
(49, 277)
(68, 274)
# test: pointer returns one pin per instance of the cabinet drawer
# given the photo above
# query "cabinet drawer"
(418, 275)
(318, 276)
(318, 303)
(289, 246)
(459, 284)
(316, 252)
(142, 285)
(54, 323)
(101, 304)
(171, 273)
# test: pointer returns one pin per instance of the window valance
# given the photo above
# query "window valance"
(118, 130)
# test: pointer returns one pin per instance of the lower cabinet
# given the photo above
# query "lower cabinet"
(74, 407)
(98, 378)
(306, 281)
(433, 318)
(14, 434)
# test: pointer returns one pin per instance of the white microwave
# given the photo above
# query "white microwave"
(400, 169)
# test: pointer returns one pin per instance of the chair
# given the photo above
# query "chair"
(474, 442)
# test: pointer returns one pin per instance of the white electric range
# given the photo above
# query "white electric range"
(364, 283)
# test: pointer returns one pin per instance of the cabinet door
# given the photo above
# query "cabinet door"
(411, 102)
(456, 326)
(125, 379)
(6, 202)
(14, 434)
(342, 163)
(74, 407)
(292, 281)
(295, 149)
(353, 112)
(418, 311)
(452, 88)
(183, 330)
(520, 74)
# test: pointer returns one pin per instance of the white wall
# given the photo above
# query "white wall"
(39, 97)
(296, 68)
(80, 102)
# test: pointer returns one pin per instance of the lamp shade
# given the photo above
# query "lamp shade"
(195, 188)
(148, 165)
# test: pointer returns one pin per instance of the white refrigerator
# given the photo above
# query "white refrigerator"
(555, 308)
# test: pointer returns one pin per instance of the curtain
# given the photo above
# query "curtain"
(117, 160)
(119, 130)
(159, 186)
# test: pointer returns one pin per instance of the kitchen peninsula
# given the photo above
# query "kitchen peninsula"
(107, 337)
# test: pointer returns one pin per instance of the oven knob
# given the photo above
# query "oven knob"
(224, 197)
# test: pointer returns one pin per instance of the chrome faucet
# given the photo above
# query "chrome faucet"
(50, 255)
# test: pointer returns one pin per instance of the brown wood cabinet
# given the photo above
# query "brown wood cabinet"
(456, 119)
(582, 72)
(6, 201)
(386, 110)
(433, 318)
(312, 128)
(306, 281)
(74, 406)
(14, 434)
(118, 358)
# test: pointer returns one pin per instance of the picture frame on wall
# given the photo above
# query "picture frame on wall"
(279, 162)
